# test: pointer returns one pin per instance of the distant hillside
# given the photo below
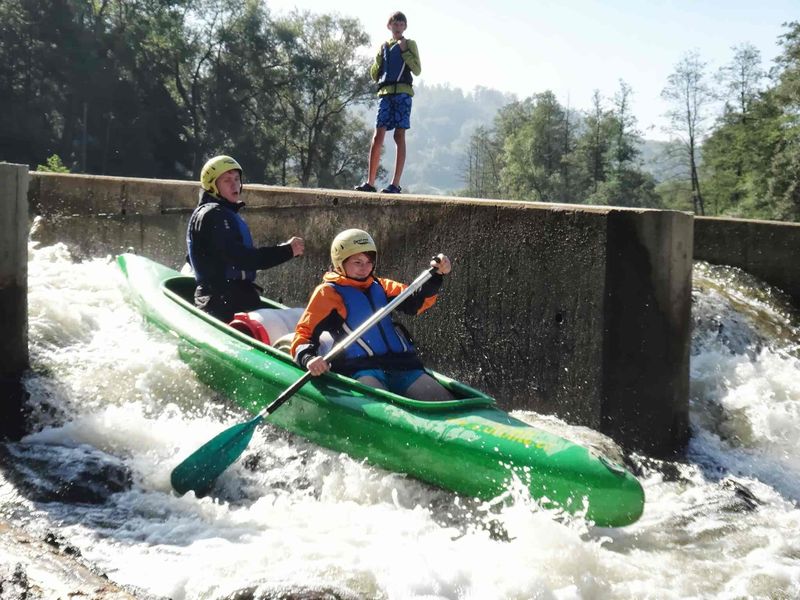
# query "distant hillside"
(442, 121)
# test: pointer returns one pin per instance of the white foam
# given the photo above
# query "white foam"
(308, 517)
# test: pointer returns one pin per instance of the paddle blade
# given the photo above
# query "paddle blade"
(201, 469)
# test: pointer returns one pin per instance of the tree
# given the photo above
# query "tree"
(627, 187)
(626, 136)
(444, 121)
(244, 68)
(784, 181)
(741, 79)
(483, 165)
(534, 167)
(41, 48)
(751, 160)
(329, 76)
(137, 125)
(154, 87)
(731, 153)
(691, 97)
(596, 155)
(607, 152)
(595, 144)
(342, 148)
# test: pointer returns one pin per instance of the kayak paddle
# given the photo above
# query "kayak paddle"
(199, 471)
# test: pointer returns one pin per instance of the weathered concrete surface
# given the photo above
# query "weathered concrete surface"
(574, 310)
(648, 287)
(31, 568)
(769, 250)
(13, 294)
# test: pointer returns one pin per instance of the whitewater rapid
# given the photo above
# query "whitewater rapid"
(114, 410)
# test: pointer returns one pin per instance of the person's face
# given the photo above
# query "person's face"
(229, 185)
(397, 28)
(358, 266)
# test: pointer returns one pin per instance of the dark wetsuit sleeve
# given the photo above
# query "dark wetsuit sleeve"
(227, 244)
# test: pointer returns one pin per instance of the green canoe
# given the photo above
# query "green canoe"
(466, 445)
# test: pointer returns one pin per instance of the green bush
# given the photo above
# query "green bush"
(54, 165)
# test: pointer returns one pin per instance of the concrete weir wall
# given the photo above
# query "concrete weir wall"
(573, 310)
(13, 294)
(769, 250)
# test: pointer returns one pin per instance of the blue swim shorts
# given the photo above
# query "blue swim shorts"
(397, 382)
(394, 111)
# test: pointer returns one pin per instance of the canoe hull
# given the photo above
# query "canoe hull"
(467, 446)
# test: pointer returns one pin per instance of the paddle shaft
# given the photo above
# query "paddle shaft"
(203, 466)
(352, 337)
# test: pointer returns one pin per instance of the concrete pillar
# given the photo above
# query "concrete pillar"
(13, 294)
(647, 337)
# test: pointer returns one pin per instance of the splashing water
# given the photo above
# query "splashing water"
(114, 410)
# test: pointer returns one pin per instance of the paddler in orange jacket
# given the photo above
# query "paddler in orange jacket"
(383, 357)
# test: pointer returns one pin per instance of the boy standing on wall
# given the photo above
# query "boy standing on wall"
(392, 69)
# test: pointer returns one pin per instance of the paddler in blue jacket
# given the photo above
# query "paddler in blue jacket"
(221, 251)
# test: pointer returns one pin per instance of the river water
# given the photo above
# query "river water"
(114, 410)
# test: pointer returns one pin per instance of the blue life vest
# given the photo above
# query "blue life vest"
(394, 69)
(382, 338)
(200, 263)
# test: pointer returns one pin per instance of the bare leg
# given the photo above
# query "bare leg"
(375, 154)
(371, 381)
(400, 158)
(428, 389)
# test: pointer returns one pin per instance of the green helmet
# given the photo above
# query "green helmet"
(348, 243)
(215, 167)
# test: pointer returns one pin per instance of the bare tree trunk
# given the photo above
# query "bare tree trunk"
(697, 198)
(690, 95)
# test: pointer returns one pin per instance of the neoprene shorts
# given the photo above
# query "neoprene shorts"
(397, 382)
(394, 112)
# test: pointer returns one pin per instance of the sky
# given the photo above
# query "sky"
(571, 47)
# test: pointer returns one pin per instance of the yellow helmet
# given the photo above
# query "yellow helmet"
(215, 167)
(348, 243)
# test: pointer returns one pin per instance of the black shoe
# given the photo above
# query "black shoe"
(392, 189)
(365, 187)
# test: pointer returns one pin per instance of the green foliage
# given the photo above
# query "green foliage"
(154, 87)
(328, 75)
(783, 179)
(54, 165)
(443, 122)
(675, 194)
(484, 157)
(627, 187)
(539, 150)
(751, 165)
(535, 167)
(690, 95)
